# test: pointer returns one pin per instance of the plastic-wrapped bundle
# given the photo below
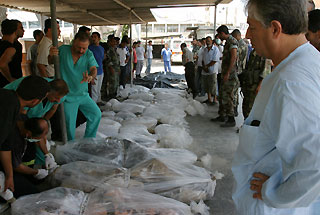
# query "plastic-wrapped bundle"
(87, 176)
(80, 131)
(138, 133)
(109, 127)
(149, 122)
(108, 114)
(58, 201)
(181, 93)
(116, 201)
(173, 137)
(132, 90)
(195, 108)
(181, 181)
(143, 96)
(105, 151)
(135, 154)
(125, 115)
(137, 101)
(133, 108)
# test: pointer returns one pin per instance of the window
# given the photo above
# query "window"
(183, 27)
(68, 24)
(24, 24)
(143, 28)
(173, 28)
(159, 28)
(34, 24)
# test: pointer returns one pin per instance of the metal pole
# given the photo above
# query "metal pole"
(57, 67)
(215, 20)
(146, 36)
(131, 58)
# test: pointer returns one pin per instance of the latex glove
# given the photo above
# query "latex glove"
(50, 162)
(42, 173)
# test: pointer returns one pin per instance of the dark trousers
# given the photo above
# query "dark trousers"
(198, 81)
(190, 76)
(55, 125)
(123, 75)
(24, 185)
(219, 81)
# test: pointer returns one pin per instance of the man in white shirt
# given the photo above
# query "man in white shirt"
(277, 164)
(140, 58)
(32, 52)
(122, 51)
(149, 57)
(210, 57)
(44, 68)
(198, 77)
(187, 62)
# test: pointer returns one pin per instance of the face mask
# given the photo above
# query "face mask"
(209, 46)
(32, 140)
(218, 41)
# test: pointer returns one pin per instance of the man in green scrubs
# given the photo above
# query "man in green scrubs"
(78, 67)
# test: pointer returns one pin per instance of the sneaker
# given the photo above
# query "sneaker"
(218, 119)
(229, 123)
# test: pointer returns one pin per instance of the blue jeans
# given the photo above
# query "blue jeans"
(149, 66)
(167, 66)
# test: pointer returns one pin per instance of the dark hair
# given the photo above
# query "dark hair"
(47, 25)
(314, 21)
(111, 36)
(150, 41)
(9, 26)
(33, 125)
(33, 87)
(183, 45)
(208, 37)
(223, 29)
(138, 42)
(292, 14)
(59, 86)
(134, 43)
(96, 33)
(82, 36)
(117, 38)
(235, 32)
(84, 29)
(36, 33)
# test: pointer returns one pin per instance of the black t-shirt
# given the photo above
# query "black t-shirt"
(19, 146)
(9, 111)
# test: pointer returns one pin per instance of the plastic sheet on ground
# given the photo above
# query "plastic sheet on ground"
(87, 176)
(180, 181)
(104, 151)
(136, 153)
(111, 201)
(173, 137)
(57, 201)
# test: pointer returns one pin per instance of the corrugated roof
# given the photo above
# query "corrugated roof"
(103, 12)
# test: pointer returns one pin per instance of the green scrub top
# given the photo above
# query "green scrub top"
(38, 110)
(73, 73)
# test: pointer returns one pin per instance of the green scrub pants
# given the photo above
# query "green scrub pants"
(90, 110)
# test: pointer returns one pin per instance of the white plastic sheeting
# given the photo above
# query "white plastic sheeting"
(173, 137)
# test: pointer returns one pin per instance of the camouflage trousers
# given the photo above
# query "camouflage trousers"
(226, 97)
(249, 95)
(236, 94)
(110, 86)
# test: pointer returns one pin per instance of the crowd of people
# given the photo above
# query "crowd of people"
(276, 166)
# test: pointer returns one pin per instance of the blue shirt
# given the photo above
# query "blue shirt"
(166, 54)
(98, 52)
(285, 146)
(39, 110)
(208, 56)
(72, 74)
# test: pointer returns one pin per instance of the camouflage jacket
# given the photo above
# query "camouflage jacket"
(112, 59)
(231, 43)
(242, 56)
(257, 69)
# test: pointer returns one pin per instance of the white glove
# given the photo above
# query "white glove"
(50, 162)
(42, 173)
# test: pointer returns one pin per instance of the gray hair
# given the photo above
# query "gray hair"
(292, 14)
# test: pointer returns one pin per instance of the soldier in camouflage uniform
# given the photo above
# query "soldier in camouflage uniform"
(229, 78)
(111, 66)
(241, 64)
(257, 69)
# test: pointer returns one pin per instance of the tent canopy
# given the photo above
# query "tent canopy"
(104, 12)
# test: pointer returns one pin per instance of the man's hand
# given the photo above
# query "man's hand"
(54, 51)
(86, 78)
(256, 184)
(8, 184)
(226, 78)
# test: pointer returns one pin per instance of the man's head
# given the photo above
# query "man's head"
(32, 90)
(110, 37)
(80, 43)
(58, 89)
(48, 30)
(313, 34)
(36, 128)
(20, 30)
(203, 41)
(209, 41)
(37, 35)
(150, 43)
(134, 44)
(183, 45)
(12, 26)
(138, 43)
(236, 34)
(123, 43)
(85, 30)
(95, 36)
(166, 45)
(273, 22)
(310, 5)
(223, 32)
(194, 42)
(117, 40)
